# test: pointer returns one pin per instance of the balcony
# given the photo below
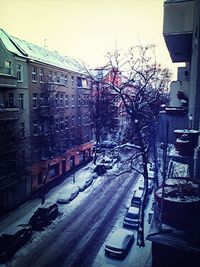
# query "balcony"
(9, 114)
(178, 29)
(8, 81)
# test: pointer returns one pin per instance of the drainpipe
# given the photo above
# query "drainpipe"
(196, 171)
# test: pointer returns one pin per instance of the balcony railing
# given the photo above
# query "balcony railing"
(178, 29)
(9, 114)
(8, 81)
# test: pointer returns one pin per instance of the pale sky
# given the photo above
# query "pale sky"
(87, 29)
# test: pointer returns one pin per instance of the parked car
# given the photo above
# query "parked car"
(137, 198)
(88, 182)
(100, 169)
(12, 239)
(43, 215)
(68, 194)
(108, 144)
(150, 186)
(119, 243)
(131, 218)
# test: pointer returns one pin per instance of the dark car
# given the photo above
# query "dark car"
(12, 239)
(43, 215)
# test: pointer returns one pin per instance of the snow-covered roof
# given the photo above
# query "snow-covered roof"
(38, 53)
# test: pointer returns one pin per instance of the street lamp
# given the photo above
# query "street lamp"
(74, 173)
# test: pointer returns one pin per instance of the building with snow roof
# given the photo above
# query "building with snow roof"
(27, 72)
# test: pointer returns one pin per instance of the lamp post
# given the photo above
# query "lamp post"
(74, 173)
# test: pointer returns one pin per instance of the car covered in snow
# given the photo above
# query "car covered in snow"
(119, 243)
(68, 194)
(12, 239)
(44, 215)
(131, 218)
(108, 144)
(137, 198)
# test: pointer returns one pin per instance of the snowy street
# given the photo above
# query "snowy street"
(82, 226)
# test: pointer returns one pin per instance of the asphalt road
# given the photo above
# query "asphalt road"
(77, 238)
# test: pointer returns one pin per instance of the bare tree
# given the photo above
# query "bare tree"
(142, 91)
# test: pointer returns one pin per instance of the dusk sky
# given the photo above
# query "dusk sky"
(87, 29)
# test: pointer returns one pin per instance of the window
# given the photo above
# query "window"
(22, 129)
(72, 101)
(35, 127)
(66, 100)
(8, 67)
(56, 99)
(57, 125)
(79, 82)
(66, 123)
(72, 81)
(35, 100)
(19, 73)
(21, 100)
(79, 101)
(62, 78)
(61, 100)
(55, 77)
(11, 100)
(66, 79)
(41, 99)
(73, 121)
(79, 120)
(50, 76)
(34, 74)
(61, 124)
(84, 83)
(41, 75)
(58, 79)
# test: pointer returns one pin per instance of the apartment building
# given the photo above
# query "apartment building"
(174, 243)
(43, 101)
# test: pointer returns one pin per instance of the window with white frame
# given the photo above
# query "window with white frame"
(11, 100)
(79, 101)
(62, 78)
(66, 123)
(72, 81)
(41, 99)
(66, 79)
(61, 124)
(79, 120)
(34, 74)
(22, 129)
(35, 127)
(35, 100)
(21, 100)
(79, 82)
(58, 79)
(55, 77)
(61, 100)
(50, 77)
(57, 125)
(8, 67)
(72, 120)
(72, 101)
(41, 74)
(56, 99)
(66, 101)
(19, 73)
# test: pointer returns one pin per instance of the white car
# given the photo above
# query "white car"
(131, 218)
(68, 194)
(119, 243)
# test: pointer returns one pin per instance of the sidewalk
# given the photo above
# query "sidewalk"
(23, 213)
